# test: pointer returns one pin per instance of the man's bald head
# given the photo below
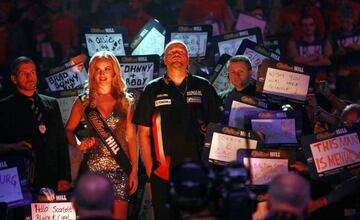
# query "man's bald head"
(94, 191)
(291, 189)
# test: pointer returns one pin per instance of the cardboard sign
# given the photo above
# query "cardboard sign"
(265, 165)
(150, 40)
(245, 21)
(14, 189)
(238, 111)
(10, 189)
(56, 210)
(220, 77)
(224, 142)
(229, 43)
(196, 38)
(137, 71)
(279, 128)
(71, 75)
(109, 39)
(332, 152)
(256, 53)
(282, 80)
(66, 100)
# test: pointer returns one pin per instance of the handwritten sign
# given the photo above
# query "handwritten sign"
(245, 21)
(332, 152)
(287, 84)
(231, 46)
(224, 147)
(196, 37)
(109, 42)
(237, 113)
(71, 78)
(256, 53)
(230, 42)
(137, 75)
(149, 40)
(10, 188)
(264, 165)
(219, 77)
(222, 143)
(276, 130)
(111, 39)
(60, 210)
(282, 82)
(263, 170)
(65, 105)
(196, 42)
(336, 152)
(137, 71)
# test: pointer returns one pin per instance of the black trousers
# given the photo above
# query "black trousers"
(160, 199)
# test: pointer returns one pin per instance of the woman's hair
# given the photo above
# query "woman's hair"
(118, 84)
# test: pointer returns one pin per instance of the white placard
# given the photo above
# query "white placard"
(137, 75)
(65, 105)
(153, 43)
(237, 113)
(10, 189)
(196, 42)
(60, 210)
(231, 46)
(286, 84)
(222, 82)
(108, 42)
(256, 59)
(276, 131)
(246, 21)
(263, 170)
(336, 152)
(67, 79)
(224, 147)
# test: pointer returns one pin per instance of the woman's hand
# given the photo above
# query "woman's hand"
(133, 182)
(87, 143)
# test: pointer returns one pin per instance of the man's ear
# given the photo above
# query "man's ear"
(13, 79)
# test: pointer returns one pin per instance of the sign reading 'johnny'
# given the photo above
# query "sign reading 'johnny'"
(137, 71)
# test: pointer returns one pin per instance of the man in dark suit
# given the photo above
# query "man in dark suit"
(33, 121)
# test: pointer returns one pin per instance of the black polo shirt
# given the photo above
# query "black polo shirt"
(178, 117)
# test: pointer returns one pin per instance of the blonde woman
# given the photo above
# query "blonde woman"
(106, 93)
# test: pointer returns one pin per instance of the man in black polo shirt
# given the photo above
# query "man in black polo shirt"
(172, 115)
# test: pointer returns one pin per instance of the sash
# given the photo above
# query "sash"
(107, 137)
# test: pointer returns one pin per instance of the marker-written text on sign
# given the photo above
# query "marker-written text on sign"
(287, 84)
(336, 152)
(136, 75)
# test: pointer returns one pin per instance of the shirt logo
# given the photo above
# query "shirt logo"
(162, 102)
(194, 93)
(162, 95)
(193, 100)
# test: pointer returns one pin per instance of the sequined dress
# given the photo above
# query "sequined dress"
(99, 159)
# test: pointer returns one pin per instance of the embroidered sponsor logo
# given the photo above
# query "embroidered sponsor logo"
(193, 99)
(162, 95)
(194, 92)
(162, 102)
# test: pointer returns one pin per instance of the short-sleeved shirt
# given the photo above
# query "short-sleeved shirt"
(178, 117)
